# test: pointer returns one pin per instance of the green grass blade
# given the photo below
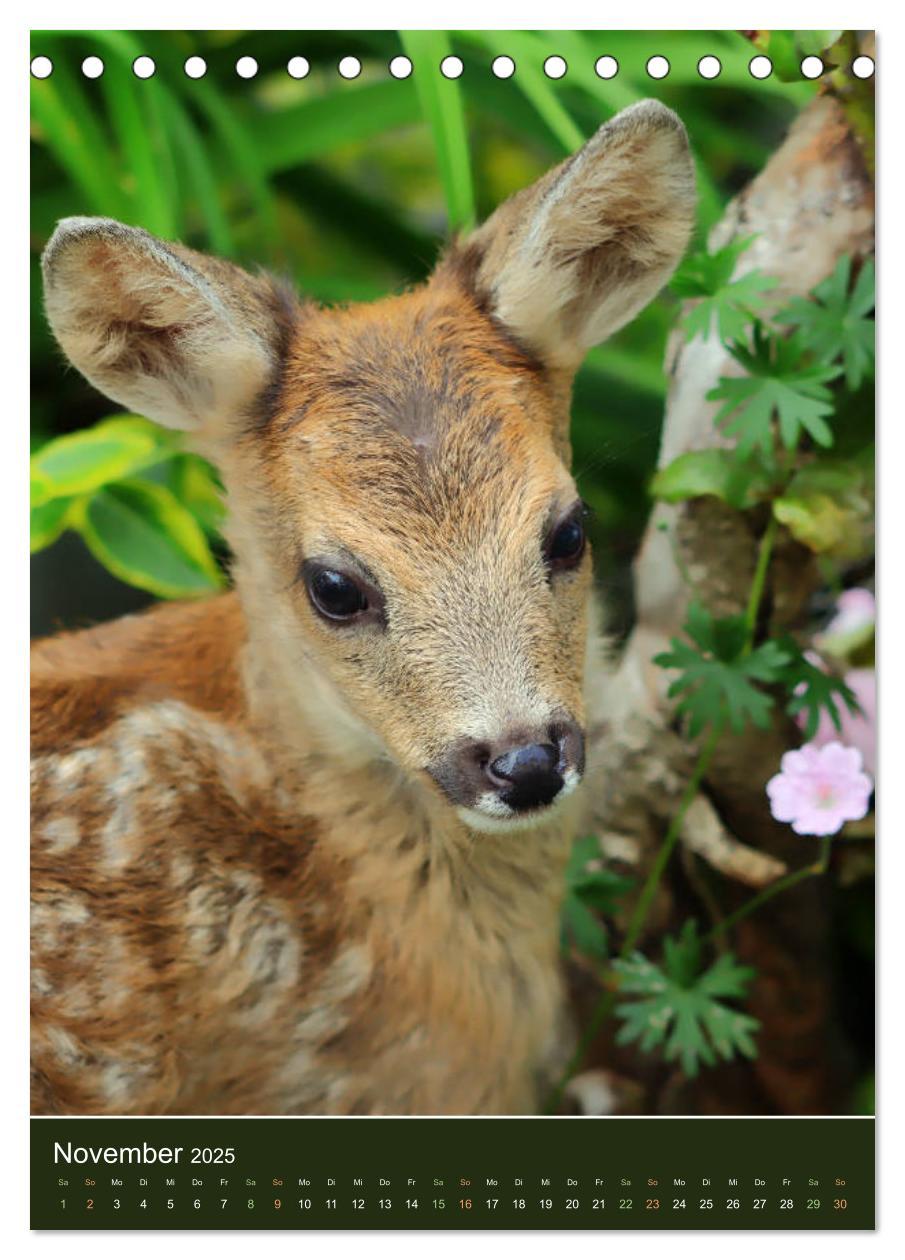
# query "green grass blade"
(199, 174)
(152, 207)
(133, 110)
(319, 126)
(243, 151)
(529, 53)
(70, 130)
(441, 103)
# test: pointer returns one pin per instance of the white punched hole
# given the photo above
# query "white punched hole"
(92, 67)
(606, 67)
(195, 67)
(451, 67)
(863, 67)
(400, 67)
(555, 67)
(812, 67)
(503, 67)
(657, 67)
(246, 67)
(350, 67)
(297, 67)
(143, 67)
(41, 67)
(760, 67)
(709, 67)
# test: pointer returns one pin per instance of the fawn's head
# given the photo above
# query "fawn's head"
(407, 530)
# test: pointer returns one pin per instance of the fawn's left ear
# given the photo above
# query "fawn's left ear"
(187, 340)
(568, 261)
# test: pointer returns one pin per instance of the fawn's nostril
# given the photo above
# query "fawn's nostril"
(527, 776)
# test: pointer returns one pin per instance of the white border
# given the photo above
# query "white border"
(527, 15)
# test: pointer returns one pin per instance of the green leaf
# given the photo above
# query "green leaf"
(780, 386)
(441, 103)
(48, 521)
(819, 522)
(582, 930)
(815, 43)
(197, 487)
(716, 472)
(680, 1008)
(584, 850)
(814, 689)
(716, 676)
(144, 536)
(829, 507)
(590, 889)
(783, 52)
(834, 323)
(720, 303)
(81, 462)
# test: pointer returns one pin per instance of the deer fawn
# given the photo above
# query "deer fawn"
(299, 848)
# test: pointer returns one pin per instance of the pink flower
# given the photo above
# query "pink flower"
(818, 789)
(856, 609)
(859, 730)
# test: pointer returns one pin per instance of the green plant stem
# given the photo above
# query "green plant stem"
(639, 914)
(758, 582)
(648, 892)
(767, 894)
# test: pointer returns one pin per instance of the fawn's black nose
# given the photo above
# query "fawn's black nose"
(526, 776)
(524, 769)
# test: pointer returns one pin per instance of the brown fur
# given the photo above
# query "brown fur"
(251, 893)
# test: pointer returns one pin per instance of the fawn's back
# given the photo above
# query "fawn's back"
(300, 848)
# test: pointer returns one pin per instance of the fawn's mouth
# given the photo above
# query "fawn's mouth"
(491, 813)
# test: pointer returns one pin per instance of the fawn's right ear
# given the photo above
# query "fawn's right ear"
(565, 263)
(183, 339)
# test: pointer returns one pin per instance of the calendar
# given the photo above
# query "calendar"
(454, 607)
(453, 1174)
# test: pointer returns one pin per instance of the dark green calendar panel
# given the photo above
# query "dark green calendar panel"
(532, 1173)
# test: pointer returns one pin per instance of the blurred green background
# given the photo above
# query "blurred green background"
(352, 186)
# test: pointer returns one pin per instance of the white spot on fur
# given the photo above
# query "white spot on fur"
(349, 972)
(61, 912)
(64, 772)
(182, 870)
(571, 780)
(61, 834)
(490, 803)
(40, 983)
(143, 795)
(65, 1047)
(120, 1082)
(72, 768)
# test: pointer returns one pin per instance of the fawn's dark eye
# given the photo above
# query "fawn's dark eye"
(566, 544)
(335, 595)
